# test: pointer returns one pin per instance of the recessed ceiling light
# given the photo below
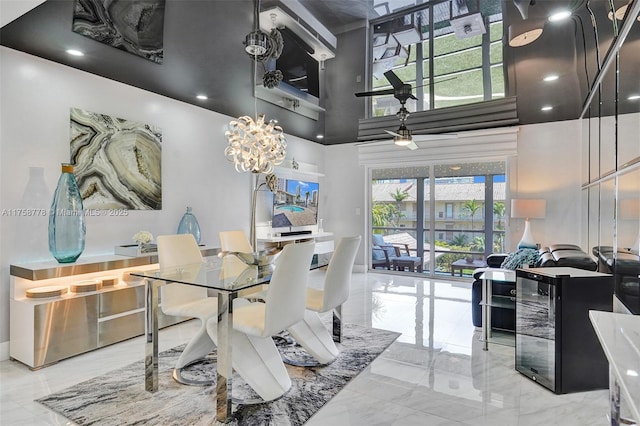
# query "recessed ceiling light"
(320, 136)
(202, 97)
(74, 52)
(560, 16)
(551, 77)
(546, 108)
(633, 97)
(456, 168)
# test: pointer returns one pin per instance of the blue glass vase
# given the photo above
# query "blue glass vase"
(189, 225)
(66, 219)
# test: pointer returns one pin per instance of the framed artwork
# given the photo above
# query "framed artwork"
(133, 26)
(117, 162)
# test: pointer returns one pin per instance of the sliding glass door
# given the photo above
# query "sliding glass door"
(443, 215)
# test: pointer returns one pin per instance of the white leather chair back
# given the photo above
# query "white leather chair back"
(338, 277)
(286, 294)
(176, 250)
(234, 241)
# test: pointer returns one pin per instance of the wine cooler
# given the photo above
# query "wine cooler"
(556, 345)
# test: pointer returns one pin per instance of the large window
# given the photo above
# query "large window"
(444, 214)
(446, 66)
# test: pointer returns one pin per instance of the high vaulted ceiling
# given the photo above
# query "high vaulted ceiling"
(203, 53)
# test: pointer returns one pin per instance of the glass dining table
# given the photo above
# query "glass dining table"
(226, 281)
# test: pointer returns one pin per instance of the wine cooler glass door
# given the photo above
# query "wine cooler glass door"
(535, 330)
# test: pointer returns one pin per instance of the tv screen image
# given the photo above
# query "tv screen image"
(296, 205)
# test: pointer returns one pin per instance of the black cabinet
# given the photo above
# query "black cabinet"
(555, 343)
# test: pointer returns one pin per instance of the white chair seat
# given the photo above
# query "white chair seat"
(250, 318)
(315, 298)
(203, 309)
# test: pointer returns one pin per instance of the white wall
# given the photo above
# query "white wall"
(36, 97)
(345, 201)
(548, 166)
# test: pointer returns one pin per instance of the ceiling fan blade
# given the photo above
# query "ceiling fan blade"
(412, 146)
(394, 134)
(394, 79)
(375, 93)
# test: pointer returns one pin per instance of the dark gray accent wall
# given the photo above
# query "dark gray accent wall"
(200, 56)
(342, 75)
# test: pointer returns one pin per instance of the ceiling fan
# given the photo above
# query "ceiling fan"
(402, 92)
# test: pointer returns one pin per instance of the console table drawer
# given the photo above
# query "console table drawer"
(64, 328)
(121, 300)
(121, 328)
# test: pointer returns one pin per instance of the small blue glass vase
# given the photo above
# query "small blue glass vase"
(66, 219)
(189, 225)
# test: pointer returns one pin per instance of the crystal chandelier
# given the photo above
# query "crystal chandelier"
(255, 146)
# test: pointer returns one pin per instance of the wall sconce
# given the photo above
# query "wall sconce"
(528, 209)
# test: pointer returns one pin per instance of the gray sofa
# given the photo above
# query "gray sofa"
(568, 255)
(624, 264)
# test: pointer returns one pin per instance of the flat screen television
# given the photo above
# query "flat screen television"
(296, 204)
(299, 68)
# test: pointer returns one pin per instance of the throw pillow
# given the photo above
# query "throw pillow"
(525, 256)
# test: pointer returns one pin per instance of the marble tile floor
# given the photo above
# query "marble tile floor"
(435, 374)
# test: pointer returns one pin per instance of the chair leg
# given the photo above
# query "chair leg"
(258, 362)
(314, 337)
(197, 349)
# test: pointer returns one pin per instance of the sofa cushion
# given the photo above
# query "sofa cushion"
(575, 259)
(556, 247)
(494, 260)
(547, 260)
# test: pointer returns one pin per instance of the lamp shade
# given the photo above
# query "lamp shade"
(524, 33)
(528, 208)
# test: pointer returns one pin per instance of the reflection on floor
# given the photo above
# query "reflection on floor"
(435, 374)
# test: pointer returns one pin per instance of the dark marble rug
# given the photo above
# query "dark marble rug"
(119, 398)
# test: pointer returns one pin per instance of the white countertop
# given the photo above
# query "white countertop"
(619, 335)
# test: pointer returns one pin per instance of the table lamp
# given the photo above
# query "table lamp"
(528, 209)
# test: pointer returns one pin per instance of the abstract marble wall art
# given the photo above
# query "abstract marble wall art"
(117, 162)
(134, 26)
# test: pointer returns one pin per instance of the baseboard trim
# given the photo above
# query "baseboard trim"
(359, 268)
(4, 351)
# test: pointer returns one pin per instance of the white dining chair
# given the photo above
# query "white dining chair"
(254, 354)
(186, 301)
(311, 333)
(237, 241)
(234, 241)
